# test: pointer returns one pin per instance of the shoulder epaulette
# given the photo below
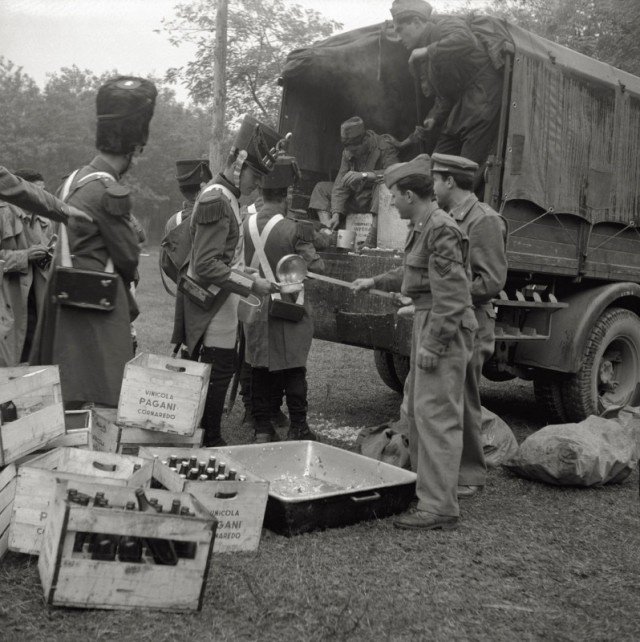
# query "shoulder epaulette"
(211, 207)
(117, 199)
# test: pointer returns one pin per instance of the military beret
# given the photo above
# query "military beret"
(401, 8)
(453, 165)
(193, 172)
(419, 166)
(352, 129)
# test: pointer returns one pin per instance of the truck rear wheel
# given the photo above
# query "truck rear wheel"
(548, 391)
(386, 369)
(610, 373)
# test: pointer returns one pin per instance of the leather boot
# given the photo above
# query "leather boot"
(223, 365)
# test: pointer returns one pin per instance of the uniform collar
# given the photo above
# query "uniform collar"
(221, 180)
(460, 211)
(423, 219)
(101, 165)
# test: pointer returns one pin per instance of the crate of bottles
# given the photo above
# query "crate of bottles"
(108, 547)
(107, 435)
(77, 431)
(238, 499)
(7, 493)
(164, 394)
(31, 411)
(36, 483)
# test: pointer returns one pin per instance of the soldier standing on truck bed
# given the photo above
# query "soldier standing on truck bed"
(356, 189)
(434, 275)
(453, 67)
(487, 231)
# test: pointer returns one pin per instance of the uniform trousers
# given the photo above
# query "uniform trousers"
(473, 469)
(434, 410)
(266, 385)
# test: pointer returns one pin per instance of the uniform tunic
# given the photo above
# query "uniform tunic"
(92, 347)
(216, 237)
(363, 197)
(274, 343)
(466, 86)
(487, 232)
(434, 275)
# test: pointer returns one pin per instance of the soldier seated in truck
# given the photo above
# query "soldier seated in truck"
(356, 189)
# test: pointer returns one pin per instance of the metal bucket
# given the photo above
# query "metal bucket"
(346, 239)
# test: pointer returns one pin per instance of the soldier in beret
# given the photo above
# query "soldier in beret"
(277, 348)
(487, 231)
(434, 275)
(356, 189)
(92, 347)
(216, 263)
(454, 67)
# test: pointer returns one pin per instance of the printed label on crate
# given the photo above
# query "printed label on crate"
(157, 404)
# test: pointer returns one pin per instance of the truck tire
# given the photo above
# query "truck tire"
(386, 369)
(610, 372)
(401, 365)
(548, 391)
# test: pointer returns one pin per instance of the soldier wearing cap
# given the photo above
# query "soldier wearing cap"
(217, 264)
(92, 347)
(434, 275)
(356, 189)
(192, 176)
(277, 348)
(454, 69)
(487, 231)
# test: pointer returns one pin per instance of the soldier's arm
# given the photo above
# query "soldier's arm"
(449, 288)
(488, 258)
(390, 281)
(29, 197)
(389, 155)
(116, 231)
(304, 246)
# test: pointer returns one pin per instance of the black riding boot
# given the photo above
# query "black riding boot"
(295, 387)
(223, 365)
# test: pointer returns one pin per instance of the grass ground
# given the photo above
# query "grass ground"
(529, 562)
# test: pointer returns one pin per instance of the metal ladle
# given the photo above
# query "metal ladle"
(291, 271)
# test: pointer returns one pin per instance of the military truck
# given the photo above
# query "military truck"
(565, 177)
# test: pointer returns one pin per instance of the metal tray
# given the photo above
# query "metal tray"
(314, 485)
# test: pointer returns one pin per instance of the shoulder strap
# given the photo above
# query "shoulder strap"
(65, 254)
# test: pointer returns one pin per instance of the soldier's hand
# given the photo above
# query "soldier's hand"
(262, 287)
(418, 54)
(406, 311)
(351, 179)
(36, 252)
(363, 284)
(334, 221)
(429, 124)
(77, 214)
(427, 360)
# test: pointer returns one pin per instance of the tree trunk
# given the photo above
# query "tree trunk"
(217, 155)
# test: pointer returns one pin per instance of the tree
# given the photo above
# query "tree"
(604, 29)
(260, 35)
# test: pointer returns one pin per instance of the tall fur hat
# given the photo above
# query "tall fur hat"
(124, 107)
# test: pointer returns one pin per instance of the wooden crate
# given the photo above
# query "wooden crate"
(77, 431)
(36, 393)
(73, 579)
(36, 484)
(7, 494)
(109, 436)
(164, 394)
(238, 506)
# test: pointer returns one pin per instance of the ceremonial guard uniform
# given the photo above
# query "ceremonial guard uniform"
(92, 347)
(487, 233)
(217, 264)
(276, 348)
(434, 275)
